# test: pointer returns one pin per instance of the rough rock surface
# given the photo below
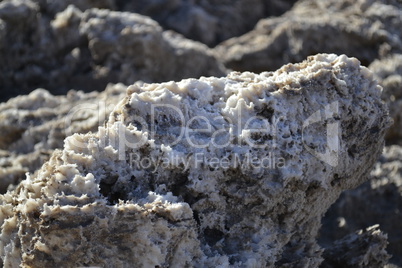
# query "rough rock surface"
(134, 192)
(363, 29)
(378, 201)
(362, 249)
(87, 50)
(208, 21)
(32, 126)
(388, 72)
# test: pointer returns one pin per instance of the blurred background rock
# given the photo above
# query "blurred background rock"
(49, 47)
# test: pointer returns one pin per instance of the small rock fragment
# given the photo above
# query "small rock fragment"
(377, 201)
(362, 249)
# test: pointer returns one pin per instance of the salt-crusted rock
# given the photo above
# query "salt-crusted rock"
(215, 172)
(388, 72)
(87, 50)
(208, 21)
(361, 249)
(378, 201)
(364, 29)
(33, 126)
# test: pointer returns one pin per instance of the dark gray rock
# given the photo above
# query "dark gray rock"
(378, 201)
(363, 29)
(388, 72)
(87, 50)
(208, 21)
(364, 249)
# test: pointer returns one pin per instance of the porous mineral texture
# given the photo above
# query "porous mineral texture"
(216, 172)
(362, 249)
(208, 21)
(32, 126)
(388, 72)
(87, 50)
(378, 201)
(364, 29)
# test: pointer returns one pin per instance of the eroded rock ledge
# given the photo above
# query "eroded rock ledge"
(32, 126)
(96, 202)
